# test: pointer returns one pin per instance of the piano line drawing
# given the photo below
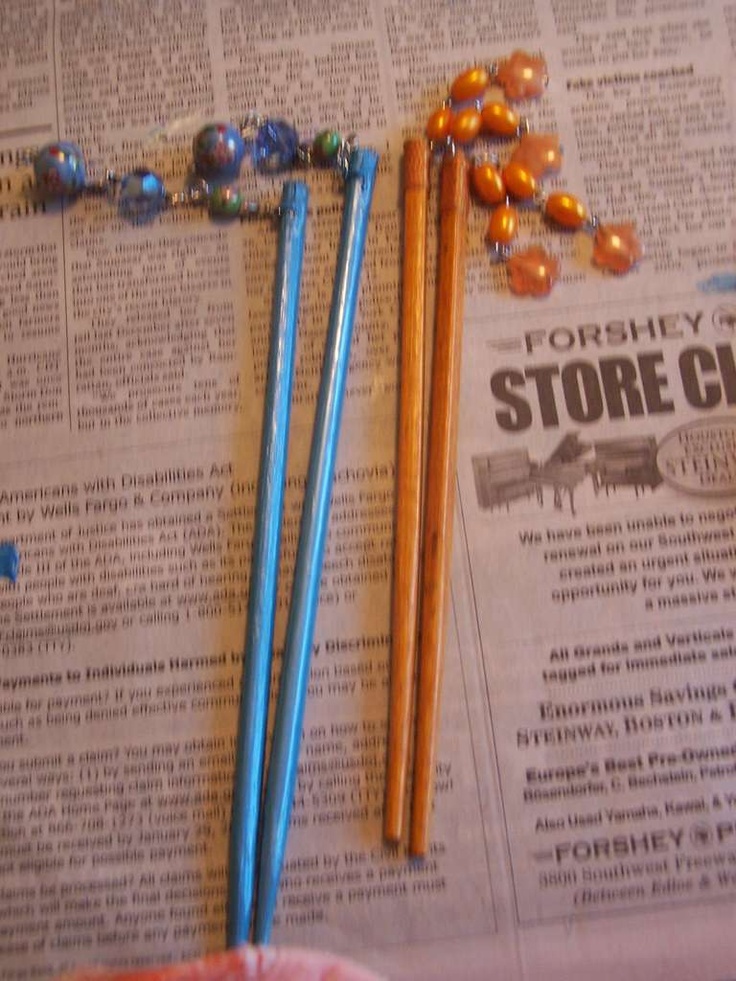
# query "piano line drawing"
(509, 475)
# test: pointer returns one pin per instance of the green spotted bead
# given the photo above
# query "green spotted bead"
(224, 201)
(325, 146)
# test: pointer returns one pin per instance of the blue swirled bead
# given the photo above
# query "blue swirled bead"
(218, 151)
(275, 146)
(142, 194)
(60, 170)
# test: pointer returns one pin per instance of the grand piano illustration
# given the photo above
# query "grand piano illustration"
(565, 469)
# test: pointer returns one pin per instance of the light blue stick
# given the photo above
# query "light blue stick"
(281, 778)
(264, 565)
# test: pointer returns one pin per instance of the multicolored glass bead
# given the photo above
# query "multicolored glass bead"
(326, 146)
(224, 201)
(142, 195)
(218, 151)
(60, 170)
(275, 146)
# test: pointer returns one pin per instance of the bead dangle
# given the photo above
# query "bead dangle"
(218, 151)
(473, 111)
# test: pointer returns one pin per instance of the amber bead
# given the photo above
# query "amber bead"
(465, 125)
(503, 226)
(565, 210)
(438, 124)
(541, 152)
(522, 75)
(519, 181)
(499, 119)
(616, 247)
(532, 271)
(487, 183)
(470, 85)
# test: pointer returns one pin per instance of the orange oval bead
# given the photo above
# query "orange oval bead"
(487, 183)
(503, 226)
(465, 125)
(438, 124)
(565, 210)
(519, 180)
(499, 119)
(470, 85)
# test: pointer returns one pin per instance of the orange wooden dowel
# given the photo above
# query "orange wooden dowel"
(440, 488)
(408, 484)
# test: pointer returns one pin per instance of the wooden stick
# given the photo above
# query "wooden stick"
(408, 484)
(440, 490)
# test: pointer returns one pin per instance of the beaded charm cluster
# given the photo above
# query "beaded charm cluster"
(218, 151)
(468, 115)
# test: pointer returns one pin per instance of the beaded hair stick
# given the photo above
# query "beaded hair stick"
(282, 772)
(464, 117)
(461, 120)
(219, 150)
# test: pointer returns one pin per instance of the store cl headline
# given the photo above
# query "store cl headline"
(613, 385)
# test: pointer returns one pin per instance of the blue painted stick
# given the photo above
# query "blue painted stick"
(281, 779)
(264, 565)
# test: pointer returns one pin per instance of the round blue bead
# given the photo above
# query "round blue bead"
(218, 151)
(275, 146)
(142, 194)
(59, 169)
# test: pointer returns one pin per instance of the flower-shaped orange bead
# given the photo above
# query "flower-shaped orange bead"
(522, 76)
(540, 152)
(532, 271)
(616, 247)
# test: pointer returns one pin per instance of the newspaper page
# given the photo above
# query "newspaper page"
(597, 506)
(132, 371)
(131, 383)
